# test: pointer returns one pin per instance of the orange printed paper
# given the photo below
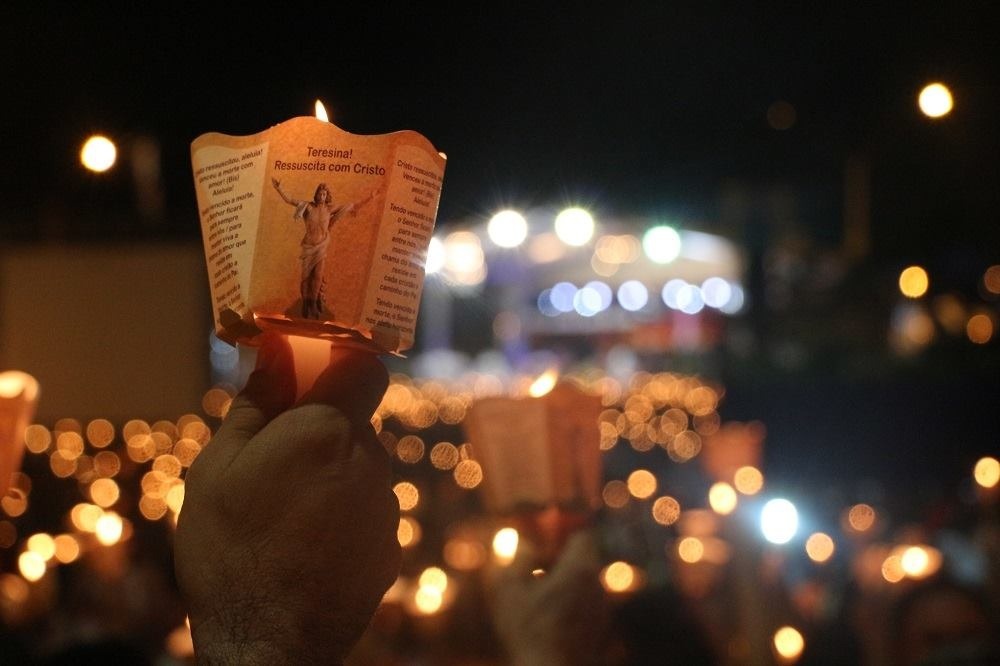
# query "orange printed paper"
(316, 231)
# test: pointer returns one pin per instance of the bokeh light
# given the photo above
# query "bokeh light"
(779, 521)
(505, 544)
(913, 282)
(820, 547)
(748, 480)
(574, 226)
(641, 483)
(618, 577)
(722, 498)
(987, 472)
(935, 100)
(789, 643)
(507, 229)
(662, 244)
(98, 153)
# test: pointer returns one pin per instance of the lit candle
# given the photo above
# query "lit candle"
(18, 397)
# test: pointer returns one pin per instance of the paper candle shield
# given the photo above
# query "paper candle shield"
(538, 452)
(315, 231)
(18, 398)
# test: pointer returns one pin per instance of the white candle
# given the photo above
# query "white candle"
(18, 397)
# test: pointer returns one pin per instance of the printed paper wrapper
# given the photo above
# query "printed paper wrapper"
(281, 254)
(18, 399)
(538, 452)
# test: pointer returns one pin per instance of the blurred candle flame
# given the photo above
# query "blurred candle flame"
(321, 112)
(543, 384)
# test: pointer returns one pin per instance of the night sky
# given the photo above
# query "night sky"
(647, 109)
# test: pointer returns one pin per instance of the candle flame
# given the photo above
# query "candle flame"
(14, 384)
(545, 383)
(321, 112)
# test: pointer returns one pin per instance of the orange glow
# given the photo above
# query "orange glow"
(987, 472)
(8, 534)
(543, 384)
(979, 328)
(690, 549)
(100, 433)
(505, 544)
(615, 494)
(468, 474)
(861, 517)
(444, 455)
(722, 498)
(789, 644)
(98, 153)
(109, 528)
(641, 484)
(819, 547)
(31, 565)
(666, 510)
(37, 438)
(43, 544)
(991, 279)
(892, 569)
(913, 282)
(320, 112)
(84, 516)
(919, 562)
(433, 577)
(69, 445)
(407, 494)
(410, 449)
(618, 577)
(179, 643)
(464, 554)
(428, 600)
(104, 492)
(935, 100)
(67, 548)
(748, 480)
(408, 533)
(152, 508)
(107, 464)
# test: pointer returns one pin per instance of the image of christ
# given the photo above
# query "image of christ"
(319, 216)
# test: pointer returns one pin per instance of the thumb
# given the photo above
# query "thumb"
(353, 382)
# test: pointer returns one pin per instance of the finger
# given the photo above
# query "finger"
(269, 390)
(353, 382)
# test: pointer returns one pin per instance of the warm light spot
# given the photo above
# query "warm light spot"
(216, 401)
(892, 569)
(464, 260)
(407, 494)
(179, 644)
(320, 112)
(979, 328)
(37, 438)
(104, 492)
(574, 226)
(154, 484)
(684, 446)
(135, 427)
(779, 521)
(410, 449)
(618, 577)
(935, 100)
(61, 466)
(722, 498)
(100, 433)
(543, 384)
(175, 497)
(84, 516)
(98, 153)
(67, 548)
(433, 577)
(913, 282)
(408, 533)
(468, 474)
(690, 549)
(196, 430)
(186, 450)
(152, 508)
(107, 464)
(666, 510)
(748, 480)
(615, 494)
(920, 562)
(464, 554)
(31, 565)
(141, 448)
(428, 600)
(788, 643)
(991, 279)
(444, 455)
(819, 547)
(14, 589)
(43, 544)
(109, 528)
(69, 445)
(505, 544)
(987, 472)
(508, 228)
(67, 425)
(641, 483)
(168, 428)
(14, 503)
(861, 517)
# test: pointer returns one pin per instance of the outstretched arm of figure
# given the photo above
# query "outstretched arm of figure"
(287, 199)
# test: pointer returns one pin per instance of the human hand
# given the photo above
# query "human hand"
(560, 617)
(287, 539)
